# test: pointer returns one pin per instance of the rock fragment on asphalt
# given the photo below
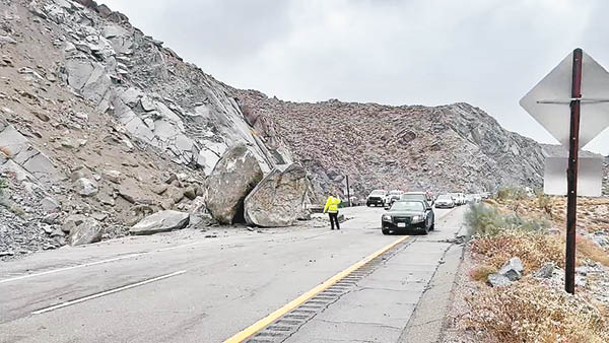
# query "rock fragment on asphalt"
(162, 221)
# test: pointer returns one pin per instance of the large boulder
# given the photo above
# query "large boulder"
(83, 230)
(279, 199)
(162, 221)
(233, 178)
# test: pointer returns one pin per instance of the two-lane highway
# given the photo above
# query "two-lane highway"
(183, 287)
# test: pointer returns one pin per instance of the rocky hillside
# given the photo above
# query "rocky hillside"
(444, 148)
(101, 125)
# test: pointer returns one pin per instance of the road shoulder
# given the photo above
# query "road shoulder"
(428, 322)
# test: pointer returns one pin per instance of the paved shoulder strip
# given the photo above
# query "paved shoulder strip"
(287, 319)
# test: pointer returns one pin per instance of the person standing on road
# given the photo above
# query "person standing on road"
(332, 209)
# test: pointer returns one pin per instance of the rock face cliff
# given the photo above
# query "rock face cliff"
(159, 98)
(456, 147)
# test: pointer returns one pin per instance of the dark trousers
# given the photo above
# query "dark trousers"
(334, 219)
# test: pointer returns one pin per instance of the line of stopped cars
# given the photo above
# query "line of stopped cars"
(413, 211)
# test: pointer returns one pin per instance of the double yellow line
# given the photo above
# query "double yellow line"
(271, 318)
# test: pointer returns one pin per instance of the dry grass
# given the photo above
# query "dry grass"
(590, 250)
(531, 312)
(534, 249)
(481, 273)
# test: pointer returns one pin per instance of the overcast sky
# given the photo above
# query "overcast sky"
(488, 53)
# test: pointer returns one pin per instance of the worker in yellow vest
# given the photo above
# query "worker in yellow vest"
(332, 209)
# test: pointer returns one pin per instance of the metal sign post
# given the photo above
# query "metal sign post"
(564, 85)
(575, 105)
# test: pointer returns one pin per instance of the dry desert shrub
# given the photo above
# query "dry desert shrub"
(481, 273)
(533, 248)
(590, 250)
(531, 312)
(486, 220)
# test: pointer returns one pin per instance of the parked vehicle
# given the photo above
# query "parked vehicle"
(444, 201)
(425, 196)
(408, 215)
(376, 198)
(355, 201)
(459, 198)
(393, 196)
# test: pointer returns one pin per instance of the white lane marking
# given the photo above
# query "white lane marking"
(70, 268)
(178, 246)
(27, 276)
(104, 293)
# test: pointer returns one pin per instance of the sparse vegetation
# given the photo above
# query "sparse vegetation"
(532, 312)
(487, 221)
(511, 193)
(586, 249)
(481, 273)
(545, 203)
(533, 248)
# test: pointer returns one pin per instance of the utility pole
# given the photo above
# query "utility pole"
(348, 191)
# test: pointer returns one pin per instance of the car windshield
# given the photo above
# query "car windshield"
(377, 193)
(413, 196)
(445, 197)
(407, 206)
(395, 193)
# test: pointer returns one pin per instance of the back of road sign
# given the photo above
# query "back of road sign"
(548, 101)
(589, 178)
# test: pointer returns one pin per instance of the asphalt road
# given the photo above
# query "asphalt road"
(195, 286)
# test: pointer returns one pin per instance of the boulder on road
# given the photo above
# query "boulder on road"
(162, 221)
(83, 230)
(233, 178)
(279, 199)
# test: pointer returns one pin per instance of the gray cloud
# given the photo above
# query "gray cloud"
(486, 52)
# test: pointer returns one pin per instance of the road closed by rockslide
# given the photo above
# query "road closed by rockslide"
(195, 289)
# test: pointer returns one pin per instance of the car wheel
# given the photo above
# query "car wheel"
(385, 232)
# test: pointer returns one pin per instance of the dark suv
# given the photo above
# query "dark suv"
(376, 198)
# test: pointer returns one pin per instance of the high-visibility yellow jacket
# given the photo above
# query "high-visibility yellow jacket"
(332, 205)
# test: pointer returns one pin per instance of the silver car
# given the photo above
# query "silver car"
(444, 201)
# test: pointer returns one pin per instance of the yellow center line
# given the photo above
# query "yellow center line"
(268, 320)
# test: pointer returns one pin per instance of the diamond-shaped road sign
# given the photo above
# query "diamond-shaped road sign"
(546, 101)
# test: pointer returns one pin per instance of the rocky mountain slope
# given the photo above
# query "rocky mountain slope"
(101, 125)
(456, 147)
